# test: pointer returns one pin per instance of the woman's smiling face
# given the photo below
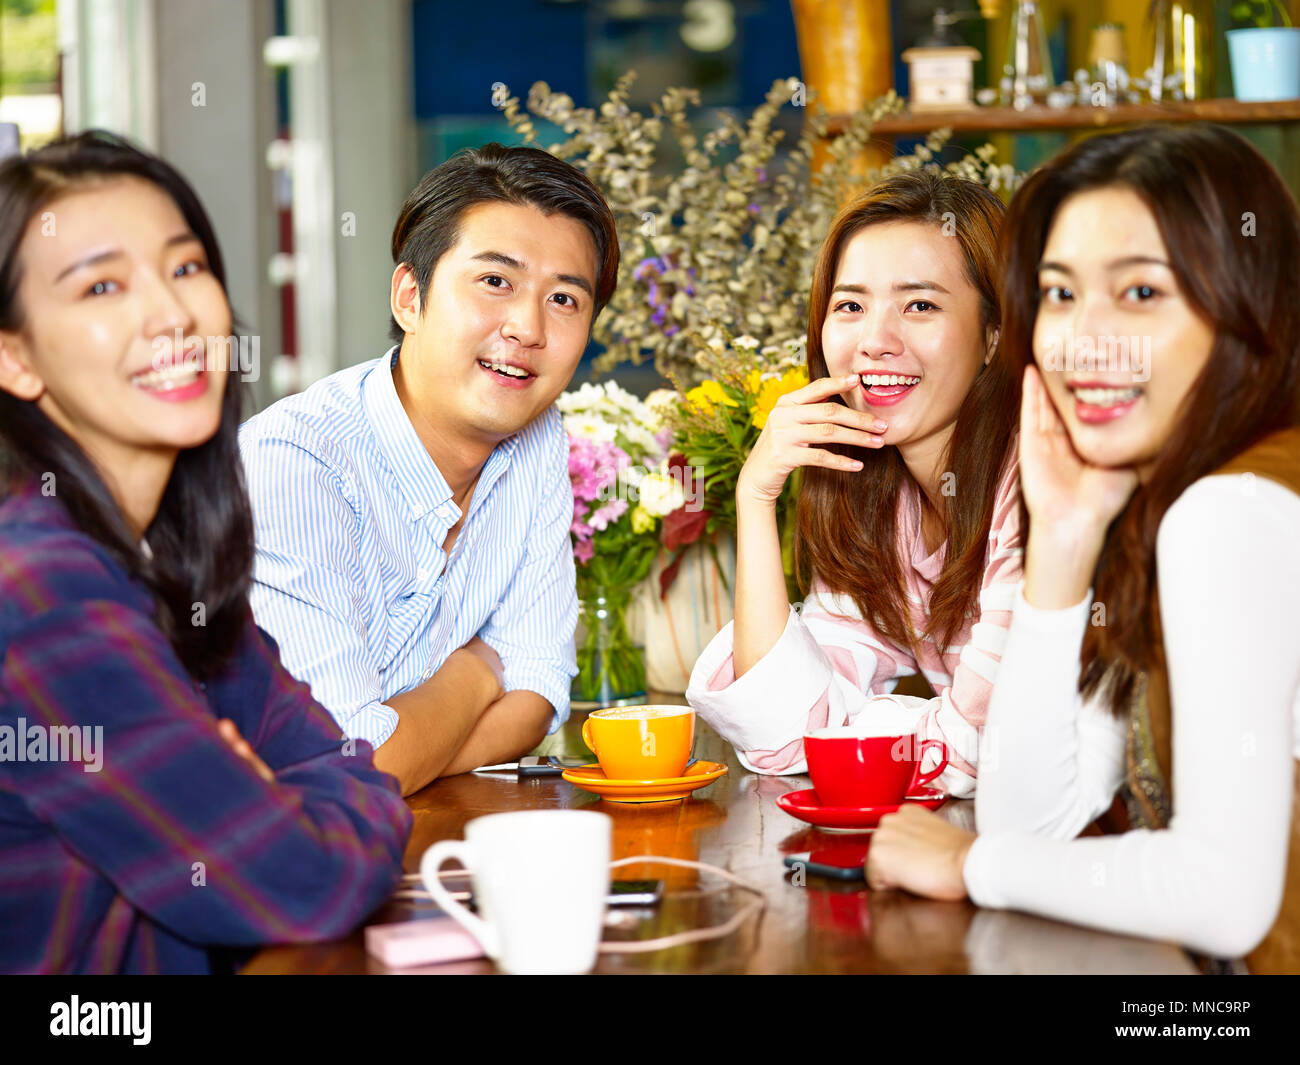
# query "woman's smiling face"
(907, 320)
(111, 276)
(1116, 340)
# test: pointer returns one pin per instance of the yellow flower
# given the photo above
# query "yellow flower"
(703, 397)
(773, 389)
(642, 520)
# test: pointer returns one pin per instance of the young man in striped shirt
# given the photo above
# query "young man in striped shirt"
(412, 512)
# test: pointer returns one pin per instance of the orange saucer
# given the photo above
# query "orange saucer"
(592, 778)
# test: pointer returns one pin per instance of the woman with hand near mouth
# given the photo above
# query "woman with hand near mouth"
(908, 510)
(223, 809)
(1153, 648)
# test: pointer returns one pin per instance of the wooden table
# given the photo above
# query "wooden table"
(821, 927)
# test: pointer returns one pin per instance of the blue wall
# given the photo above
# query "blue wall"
(460, 49)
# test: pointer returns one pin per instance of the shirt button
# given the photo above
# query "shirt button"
(422, 574)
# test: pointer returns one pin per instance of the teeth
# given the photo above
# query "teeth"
(888, 379)
(1106, 397)
(500, 367)
(166, 379)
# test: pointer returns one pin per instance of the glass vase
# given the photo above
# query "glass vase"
(611, 665)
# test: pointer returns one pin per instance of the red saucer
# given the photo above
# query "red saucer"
(804, 805)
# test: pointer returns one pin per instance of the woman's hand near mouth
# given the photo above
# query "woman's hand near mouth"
(799, 427)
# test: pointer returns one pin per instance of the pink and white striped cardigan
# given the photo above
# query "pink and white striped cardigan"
(830, 667)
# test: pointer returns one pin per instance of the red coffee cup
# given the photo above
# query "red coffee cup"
(858, 771)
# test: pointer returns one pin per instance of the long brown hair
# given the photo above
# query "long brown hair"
(1232, 235)
(847, 522)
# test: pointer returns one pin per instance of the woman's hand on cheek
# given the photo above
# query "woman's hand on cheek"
(920, 852)
(1063, 493)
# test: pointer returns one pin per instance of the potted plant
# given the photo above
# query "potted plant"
(1265, 56)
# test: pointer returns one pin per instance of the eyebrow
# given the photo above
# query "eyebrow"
(507, 260)
(1114, 264)
(116, 253)
(901, 286)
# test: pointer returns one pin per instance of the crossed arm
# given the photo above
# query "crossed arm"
(458, 720)
(491, 700)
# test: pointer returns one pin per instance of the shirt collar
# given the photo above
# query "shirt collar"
(423, 487)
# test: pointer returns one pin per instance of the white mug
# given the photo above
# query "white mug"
(540, 882)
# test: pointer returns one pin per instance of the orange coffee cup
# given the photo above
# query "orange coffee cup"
(641, 742)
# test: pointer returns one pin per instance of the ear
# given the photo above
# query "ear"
(991, 337)
(17, 376)
(404, 298)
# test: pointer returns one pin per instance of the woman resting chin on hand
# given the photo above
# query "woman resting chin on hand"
(1159, 438)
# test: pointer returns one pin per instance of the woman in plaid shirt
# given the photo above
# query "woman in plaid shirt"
(167, 789)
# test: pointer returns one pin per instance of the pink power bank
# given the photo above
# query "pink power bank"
(424, 942)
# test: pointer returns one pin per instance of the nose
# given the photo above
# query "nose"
(524, 322)
(1092, 317)
(165, 309)
(881, 334)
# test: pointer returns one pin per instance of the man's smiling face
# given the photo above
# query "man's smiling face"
(504, 322)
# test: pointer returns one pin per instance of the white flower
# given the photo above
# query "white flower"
(746, 341)
(658, 404)
(590, 426)
(587, 397)
(661, 492)
(642, 442)
(621, 398)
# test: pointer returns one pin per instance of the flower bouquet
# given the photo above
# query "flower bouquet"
(622, 489)
(715, 425)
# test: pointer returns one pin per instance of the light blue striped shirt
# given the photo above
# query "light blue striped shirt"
(351, 514)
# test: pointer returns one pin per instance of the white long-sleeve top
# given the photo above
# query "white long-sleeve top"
(1229, 585)
(830, 667)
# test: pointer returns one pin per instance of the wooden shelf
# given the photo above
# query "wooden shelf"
(1037, 119)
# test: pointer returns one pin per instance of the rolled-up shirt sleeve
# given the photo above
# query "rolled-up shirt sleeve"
(532, 627)
(308, 584)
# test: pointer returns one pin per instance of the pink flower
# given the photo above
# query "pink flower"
(611, 511)
(583, 550)
(593, 467)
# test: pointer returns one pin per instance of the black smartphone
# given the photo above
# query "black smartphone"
(621, 892)
(827, 866)
(536, 765)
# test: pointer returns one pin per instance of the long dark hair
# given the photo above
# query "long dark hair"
(1233, 239)
(847, 522)
(202, 536)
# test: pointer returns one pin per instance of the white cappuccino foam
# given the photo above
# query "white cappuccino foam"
(635, 713)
